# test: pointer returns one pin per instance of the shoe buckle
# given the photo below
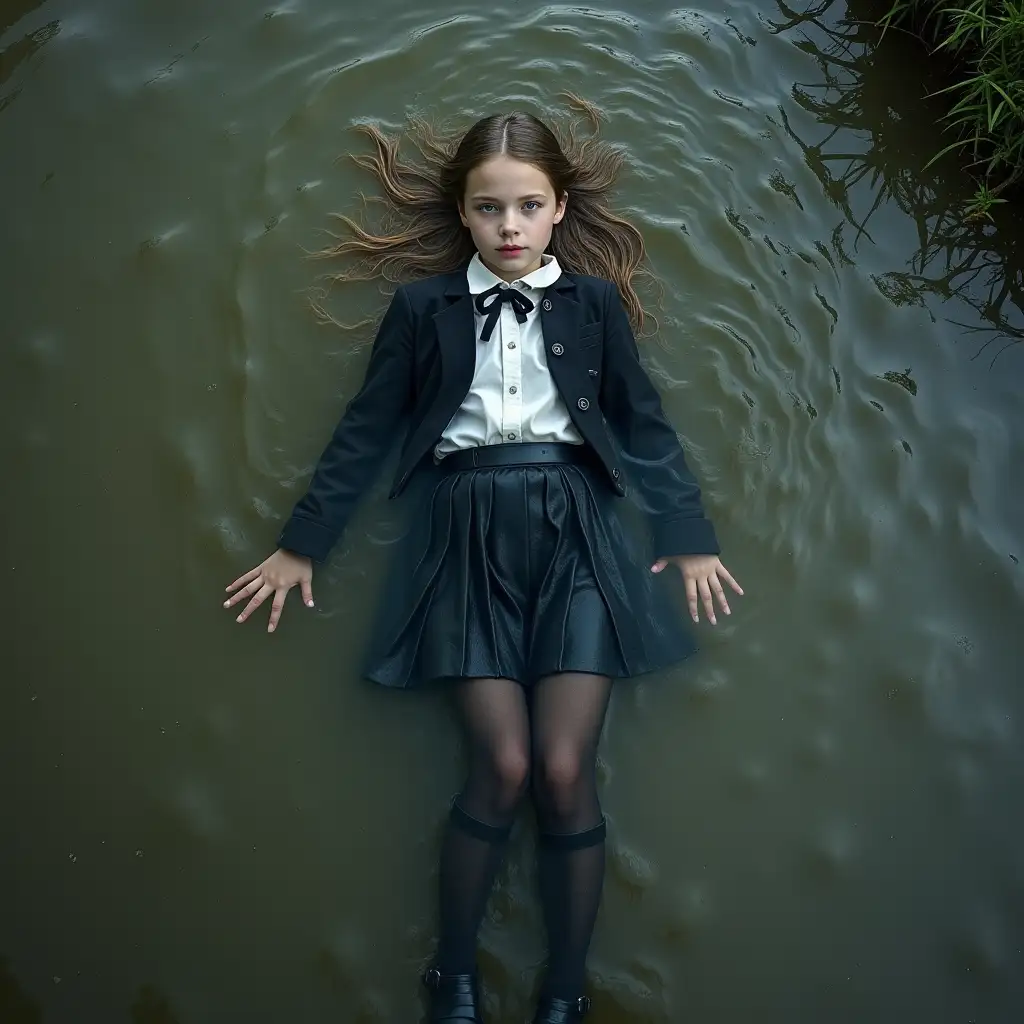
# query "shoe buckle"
(432, 979)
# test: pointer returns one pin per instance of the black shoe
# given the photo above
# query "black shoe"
(561, 1011)
(453, 997)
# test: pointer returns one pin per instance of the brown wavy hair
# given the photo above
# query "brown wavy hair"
(420, 234)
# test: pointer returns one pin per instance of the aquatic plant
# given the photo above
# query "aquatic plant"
(985, 41)
(868, 86)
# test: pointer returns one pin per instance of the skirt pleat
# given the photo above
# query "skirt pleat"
(519, 572)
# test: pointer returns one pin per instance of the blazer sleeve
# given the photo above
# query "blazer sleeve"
(360, 442)
(651, 451)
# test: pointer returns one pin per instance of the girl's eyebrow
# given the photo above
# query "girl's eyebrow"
(522, 199)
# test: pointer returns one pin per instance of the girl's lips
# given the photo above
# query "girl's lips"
(511, 250)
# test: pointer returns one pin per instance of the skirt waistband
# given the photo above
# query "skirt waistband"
(528, 453)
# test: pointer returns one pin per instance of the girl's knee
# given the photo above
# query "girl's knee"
(561, 777)
(511, 768)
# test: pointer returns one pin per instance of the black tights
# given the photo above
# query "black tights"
(545, 738)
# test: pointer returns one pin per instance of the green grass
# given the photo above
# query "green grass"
(985, 40)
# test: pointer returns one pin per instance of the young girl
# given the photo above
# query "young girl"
(526, 417)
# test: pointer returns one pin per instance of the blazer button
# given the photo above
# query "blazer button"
(615, 474)
(546, 304)
(583, 405)
(556, 349)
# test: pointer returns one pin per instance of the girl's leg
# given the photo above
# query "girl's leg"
(494, 717)
(568, 713)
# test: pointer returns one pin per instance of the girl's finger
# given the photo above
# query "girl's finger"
(659, 565)
(691, 597)
(261, 595)
(307, 593)
(727, 576)
(705, 594)
(716, 589)
(242, 594)
(277, 607)
(242, 580)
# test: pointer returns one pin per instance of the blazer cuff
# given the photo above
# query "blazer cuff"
(304, 537)
(695, 536)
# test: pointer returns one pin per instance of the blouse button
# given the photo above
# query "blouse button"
(511, 437)
(511, 344)
(547, 305)
(556, 349)
(583, 404)
(512, 390)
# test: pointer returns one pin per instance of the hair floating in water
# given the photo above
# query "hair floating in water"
(418, 232)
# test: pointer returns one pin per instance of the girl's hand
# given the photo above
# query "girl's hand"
(703, 575)
(277, 575)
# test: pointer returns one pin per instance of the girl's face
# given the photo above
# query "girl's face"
(510, 208)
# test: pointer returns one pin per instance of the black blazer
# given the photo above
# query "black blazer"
(421, 369)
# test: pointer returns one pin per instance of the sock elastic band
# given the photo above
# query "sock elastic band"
(478, 829)
(575, 840)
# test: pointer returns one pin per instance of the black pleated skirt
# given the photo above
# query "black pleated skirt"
(520, 571)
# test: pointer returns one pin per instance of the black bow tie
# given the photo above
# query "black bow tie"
(492, 309)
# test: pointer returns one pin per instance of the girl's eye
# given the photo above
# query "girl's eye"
(530, 205)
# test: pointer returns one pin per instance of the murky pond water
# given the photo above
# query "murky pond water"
(817, 820)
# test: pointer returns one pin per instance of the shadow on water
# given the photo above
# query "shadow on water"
(23, 48)
(153, 1007)
(12, 11)
(150, 1006)
(876, 85)
(16, 1005)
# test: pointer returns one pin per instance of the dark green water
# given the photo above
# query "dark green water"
(816, 822)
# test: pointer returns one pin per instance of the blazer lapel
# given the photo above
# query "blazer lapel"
(457, 353)
(455, 338)
(560, 320)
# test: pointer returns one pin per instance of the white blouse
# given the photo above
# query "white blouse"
(512, 397)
